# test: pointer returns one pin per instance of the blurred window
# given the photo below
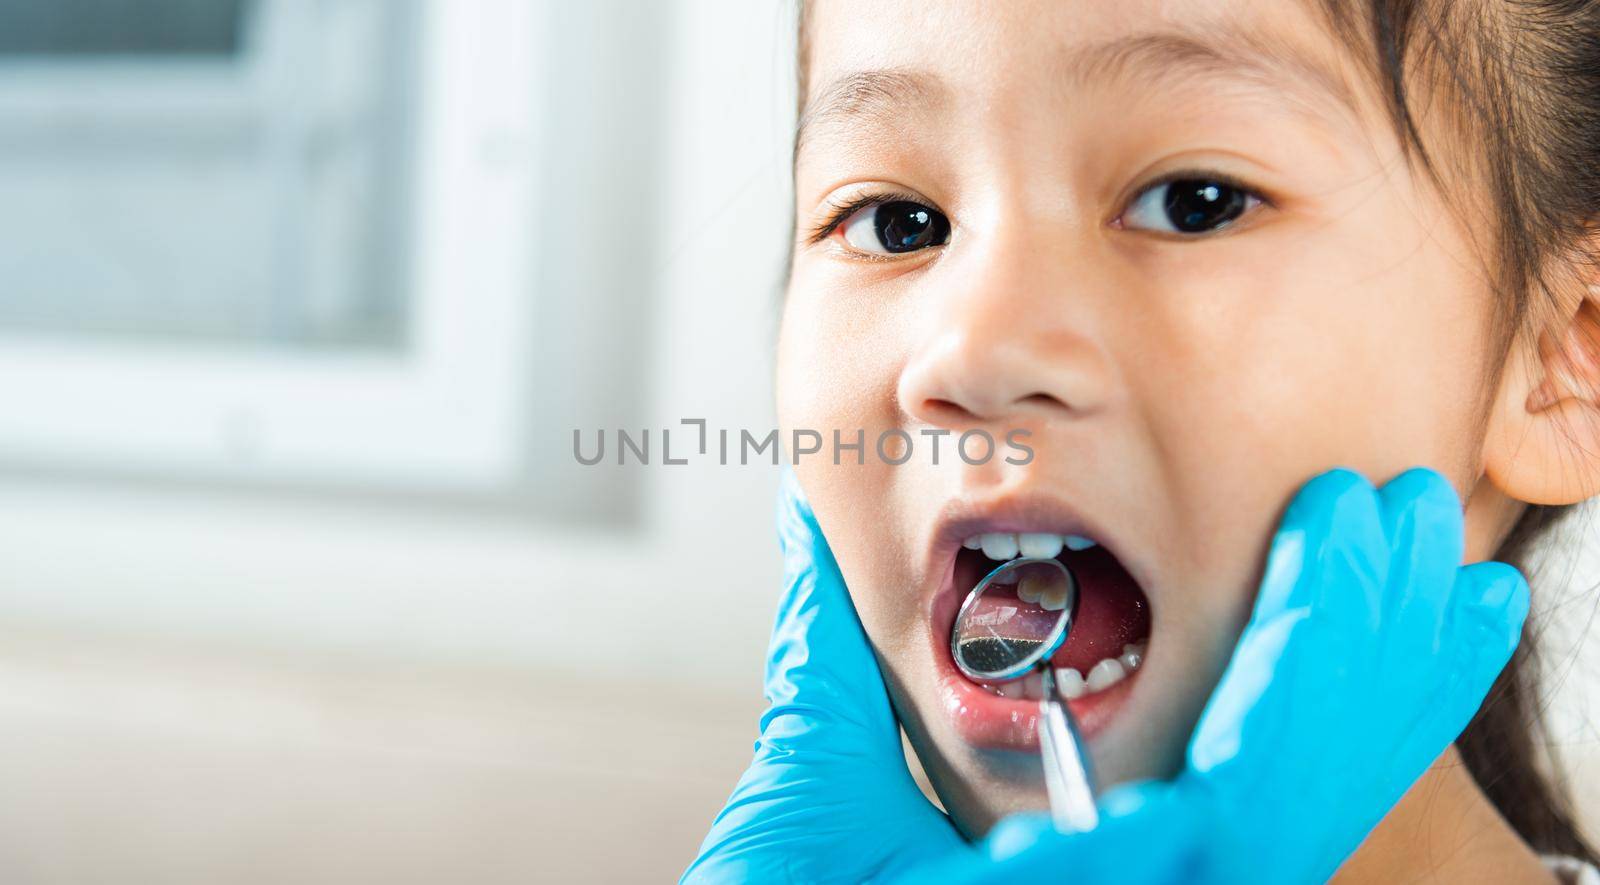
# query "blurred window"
(205, 171)
(284, 242)
(120, 27)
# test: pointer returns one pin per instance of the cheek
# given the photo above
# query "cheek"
(1270, 373)
(833, 358)
(835, 372)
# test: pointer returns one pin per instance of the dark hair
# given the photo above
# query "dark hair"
(1525, 76)
(1525, 79)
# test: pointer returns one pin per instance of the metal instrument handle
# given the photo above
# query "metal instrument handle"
(1067, 778)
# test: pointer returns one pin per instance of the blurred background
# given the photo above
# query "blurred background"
(300, 304)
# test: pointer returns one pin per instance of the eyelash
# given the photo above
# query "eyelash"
(839, 211)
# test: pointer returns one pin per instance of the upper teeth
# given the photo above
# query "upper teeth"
(1033, 545)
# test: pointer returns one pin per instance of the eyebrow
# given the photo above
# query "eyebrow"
(1167, 59)
(876, 96)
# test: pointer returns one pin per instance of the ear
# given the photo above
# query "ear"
(1543, 444)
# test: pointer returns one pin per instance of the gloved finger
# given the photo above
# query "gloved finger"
(1015, 835)
(1143, 836)
(1311, 537)
(1019, 833)
(1423, 520)
(1328, 558)
(1351, 565)
(1484, 622)
(827, 794)
(822, 680)
(1485, 613)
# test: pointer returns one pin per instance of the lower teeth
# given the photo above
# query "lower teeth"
(1070, 684)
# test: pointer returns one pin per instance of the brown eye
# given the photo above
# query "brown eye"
(896, 227)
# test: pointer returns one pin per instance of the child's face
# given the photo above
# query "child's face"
(1184, 356)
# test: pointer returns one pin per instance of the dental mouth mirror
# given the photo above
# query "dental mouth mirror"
(1009, 626)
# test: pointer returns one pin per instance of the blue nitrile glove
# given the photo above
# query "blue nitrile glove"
(1368, 651)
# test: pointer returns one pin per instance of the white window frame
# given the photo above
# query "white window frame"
(442, 414)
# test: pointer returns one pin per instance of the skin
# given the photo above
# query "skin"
(1178, 389)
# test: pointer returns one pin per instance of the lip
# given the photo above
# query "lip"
(991, 722)
(981, 718)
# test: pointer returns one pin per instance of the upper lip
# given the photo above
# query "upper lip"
(961, 518)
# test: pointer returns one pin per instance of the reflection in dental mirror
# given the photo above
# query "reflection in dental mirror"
(1014, 619)
(1010, 625)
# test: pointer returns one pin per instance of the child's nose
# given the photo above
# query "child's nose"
(1012, 336)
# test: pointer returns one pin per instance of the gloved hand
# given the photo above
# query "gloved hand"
(1368, 651)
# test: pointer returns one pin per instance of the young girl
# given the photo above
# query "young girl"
(1193, 253)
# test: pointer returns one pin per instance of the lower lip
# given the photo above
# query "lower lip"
(991, 722)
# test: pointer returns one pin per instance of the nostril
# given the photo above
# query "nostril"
(944, 413)
(1044, 400)
(952, 414)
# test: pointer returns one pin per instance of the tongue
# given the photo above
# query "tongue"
(1112, 611)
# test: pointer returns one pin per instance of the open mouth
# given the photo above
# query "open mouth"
(1094, 668)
